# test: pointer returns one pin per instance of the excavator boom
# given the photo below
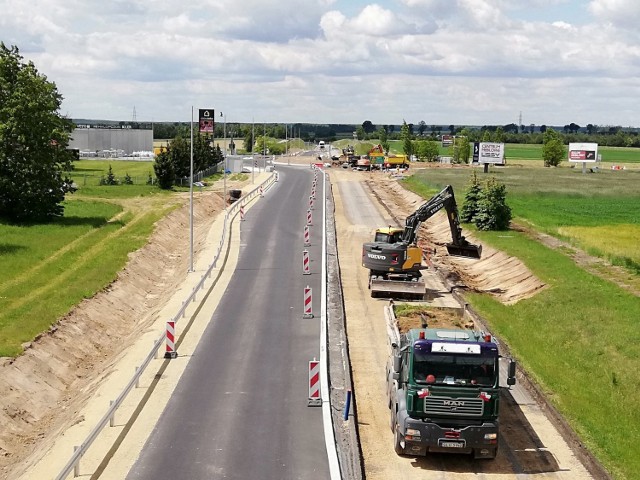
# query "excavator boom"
(393, 264)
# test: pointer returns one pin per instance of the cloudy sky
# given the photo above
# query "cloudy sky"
(463, 62)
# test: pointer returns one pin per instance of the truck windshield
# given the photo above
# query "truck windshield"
(455, 370)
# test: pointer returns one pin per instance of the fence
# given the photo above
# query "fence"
(74, 461)
(197, 177)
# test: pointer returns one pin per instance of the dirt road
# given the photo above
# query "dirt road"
(531, 448)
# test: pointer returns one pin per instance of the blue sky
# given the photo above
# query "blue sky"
(462, 62)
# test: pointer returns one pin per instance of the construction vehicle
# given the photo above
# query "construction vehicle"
(443, 390)
(394, 259)
(376, 157)
(393, 161)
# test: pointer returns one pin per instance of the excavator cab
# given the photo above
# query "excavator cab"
(388, 235)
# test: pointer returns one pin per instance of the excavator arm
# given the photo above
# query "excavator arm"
(445, 199)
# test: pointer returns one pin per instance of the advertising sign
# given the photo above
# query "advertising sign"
(476, 152)
(206, 123)
(490, 152)
(583, 152)
(447, 140)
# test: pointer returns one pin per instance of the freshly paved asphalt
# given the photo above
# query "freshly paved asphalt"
(240, 410)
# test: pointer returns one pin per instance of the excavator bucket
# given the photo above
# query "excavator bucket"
(469, 250)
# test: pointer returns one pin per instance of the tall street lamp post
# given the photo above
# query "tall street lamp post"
(224, 173)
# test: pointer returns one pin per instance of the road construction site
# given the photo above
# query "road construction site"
(536, 442)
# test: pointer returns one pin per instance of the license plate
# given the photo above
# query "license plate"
(452, 444)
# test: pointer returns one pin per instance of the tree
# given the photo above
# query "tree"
(248, 140)
(163, 168)
(368, 127)
(426, 150)
(110, 179)
(553, 150)
(422, 127)
(405, 136)
(471, 199)
(360, 133)
(461, 150)
(384, 140)
(33, 142)
(493, 213)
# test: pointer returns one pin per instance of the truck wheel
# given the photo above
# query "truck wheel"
(392, 422)
(397, 443)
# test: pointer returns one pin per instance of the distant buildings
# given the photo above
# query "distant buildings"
(112, 141)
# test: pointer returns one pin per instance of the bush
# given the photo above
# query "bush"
(493, 213)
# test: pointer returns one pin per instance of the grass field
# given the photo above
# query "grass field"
(579, 338)
(604, 205)
(48, 268)
(515, 152)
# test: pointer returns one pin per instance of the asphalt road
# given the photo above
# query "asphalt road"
(240, 410)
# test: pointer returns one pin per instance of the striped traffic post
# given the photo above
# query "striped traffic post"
(305, 263)
(308, 311)
(261, 193)
(242, 213)
(314, 384)
(309, 218)
(170, 351)
(307, 236)
(311, 202)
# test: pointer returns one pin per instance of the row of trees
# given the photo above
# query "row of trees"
(553, 148)
(511, 133)
(175, 160)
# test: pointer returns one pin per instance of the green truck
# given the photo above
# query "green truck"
(444, 391)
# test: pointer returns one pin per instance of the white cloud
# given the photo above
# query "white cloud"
(441, 61)
(623, 13)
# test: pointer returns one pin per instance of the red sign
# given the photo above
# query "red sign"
(206, 123)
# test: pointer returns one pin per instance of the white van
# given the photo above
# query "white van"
(321, 143)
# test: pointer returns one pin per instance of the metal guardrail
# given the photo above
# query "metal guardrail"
(79, 451)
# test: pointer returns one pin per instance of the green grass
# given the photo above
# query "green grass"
(46, 269)
(551, 199)
(516, 152)
(87, 173)
(578, 338)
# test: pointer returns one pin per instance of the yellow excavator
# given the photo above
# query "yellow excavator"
(394, 259)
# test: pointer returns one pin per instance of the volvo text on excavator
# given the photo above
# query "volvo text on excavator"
(394, 259)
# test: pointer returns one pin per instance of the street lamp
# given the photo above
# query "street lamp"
(224, 173)
(224, 132)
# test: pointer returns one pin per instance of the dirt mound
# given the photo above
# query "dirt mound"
(430, 317)
(505, 277)
(43, 389)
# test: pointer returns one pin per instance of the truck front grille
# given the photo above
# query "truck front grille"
(453, 406)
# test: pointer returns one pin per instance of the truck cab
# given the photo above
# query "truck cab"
(444, 392)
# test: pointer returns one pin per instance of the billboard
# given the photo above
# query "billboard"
(206, 120)
(583, 152)
(447, 140)
(489, 152)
